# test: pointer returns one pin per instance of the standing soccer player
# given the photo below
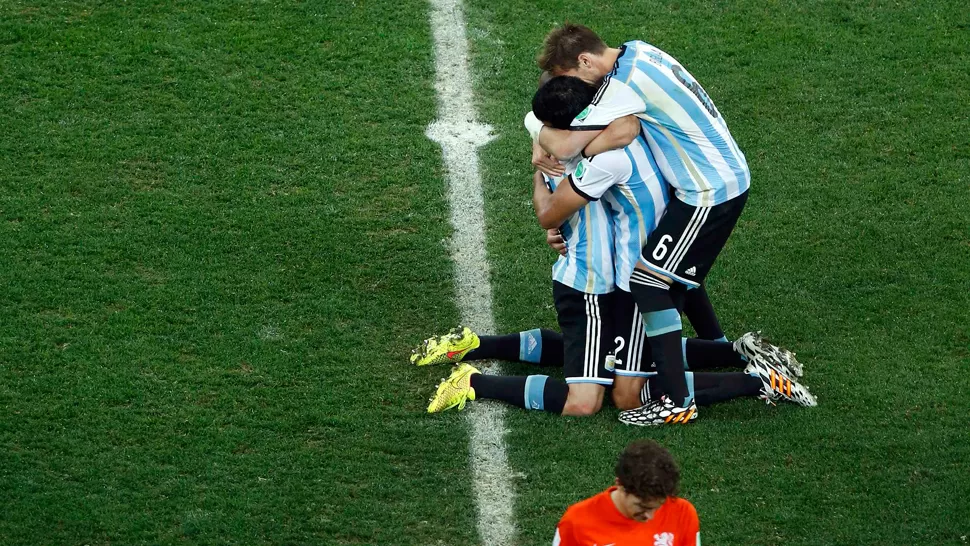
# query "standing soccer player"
(698, 158)
(642, 508)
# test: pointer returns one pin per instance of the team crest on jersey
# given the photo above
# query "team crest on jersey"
(580, 170)
(663, 539)
(584, 114)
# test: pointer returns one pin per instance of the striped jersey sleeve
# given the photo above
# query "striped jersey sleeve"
(614, 100)
(631, 187)
(636, 205)
(595, 175)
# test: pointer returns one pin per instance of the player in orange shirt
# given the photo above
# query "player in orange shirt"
(642, 509)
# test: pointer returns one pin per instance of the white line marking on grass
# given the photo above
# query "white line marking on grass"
(460, 135)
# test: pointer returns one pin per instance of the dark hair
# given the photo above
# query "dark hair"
(563, 45)
(647, 470)
(561, 99)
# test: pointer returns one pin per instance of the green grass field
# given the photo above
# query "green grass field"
(222, 229)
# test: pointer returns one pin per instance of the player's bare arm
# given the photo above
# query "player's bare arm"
(553, 208)
(545, 162)
(549, 122)
(553, 126)
(619, 134)
(563, 144)
(585, 56)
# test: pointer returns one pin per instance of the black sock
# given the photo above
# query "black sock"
(661, 321)
(550, 351)
(711, 388)
(535, 392)
(537, 346)
(700, 313)
(504, 347)
(668, 358)
(702, 354)
(652, 389)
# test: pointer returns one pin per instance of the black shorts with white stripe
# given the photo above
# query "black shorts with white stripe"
(688, 239)
(588, 334)
(633, 356)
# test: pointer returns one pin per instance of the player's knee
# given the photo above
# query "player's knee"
(583, 402)
(626, 392)
(624, 400)
(582, 408)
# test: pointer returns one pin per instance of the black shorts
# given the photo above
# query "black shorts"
(633, 356)
(587, 325)
(688, 239)
(602, 335)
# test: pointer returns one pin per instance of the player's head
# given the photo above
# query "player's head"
(646, 475)
(545, 77)
(573, 50)
(561, 99)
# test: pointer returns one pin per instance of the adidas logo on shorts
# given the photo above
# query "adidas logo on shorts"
(692, 271)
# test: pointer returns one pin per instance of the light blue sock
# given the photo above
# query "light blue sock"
(690, 388)
(534, 387)
(658, 323)
(530, 347)
(683, 344)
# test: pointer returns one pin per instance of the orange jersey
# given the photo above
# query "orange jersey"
(597, 522)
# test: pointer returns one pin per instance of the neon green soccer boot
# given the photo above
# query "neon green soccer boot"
(454, 391)
(447, 349)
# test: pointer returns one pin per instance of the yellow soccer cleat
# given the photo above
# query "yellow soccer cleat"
(447, 349)
(455, 390)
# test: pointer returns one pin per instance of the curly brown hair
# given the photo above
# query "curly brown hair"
(562, 46)
(647, 470)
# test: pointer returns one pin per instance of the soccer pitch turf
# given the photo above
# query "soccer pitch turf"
(223, 228)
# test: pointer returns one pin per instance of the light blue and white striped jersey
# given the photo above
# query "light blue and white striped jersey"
(689, 139)
(631, 185)
(588, 264)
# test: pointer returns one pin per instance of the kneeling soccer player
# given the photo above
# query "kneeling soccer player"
(698, 157)
(634, 200)
(602, 335)
(594, 313)
(641, 508)
(545, 348)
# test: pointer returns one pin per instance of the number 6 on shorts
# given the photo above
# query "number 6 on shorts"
(661, 250)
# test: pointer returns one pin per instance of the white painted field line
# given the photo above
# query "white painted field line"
(460, 135)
